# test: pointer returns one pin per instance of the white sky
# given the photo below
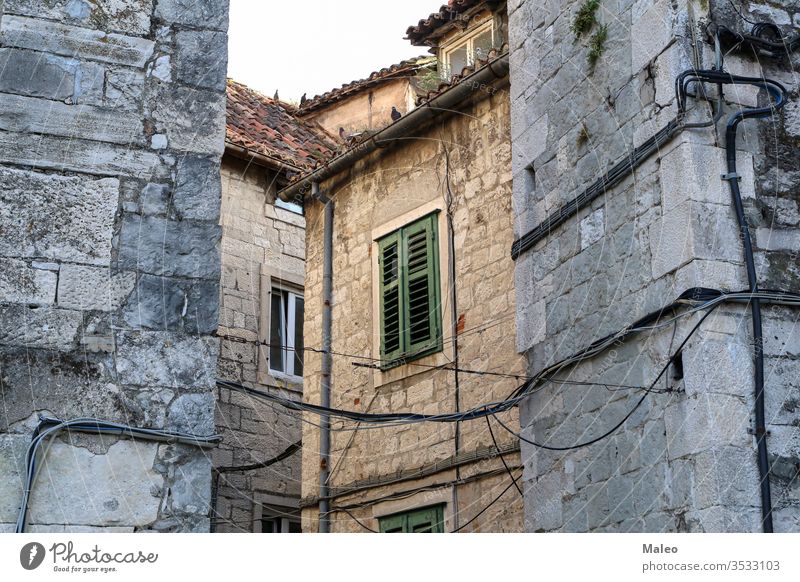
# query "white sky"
(313, 46)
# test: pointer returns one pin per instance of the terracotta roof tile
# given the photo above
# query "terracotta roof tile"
(272, 128)
(407, 68)
(447, 13)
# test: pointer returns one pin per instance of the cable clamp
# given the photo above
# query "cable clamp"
(758, 431)
(731, 176)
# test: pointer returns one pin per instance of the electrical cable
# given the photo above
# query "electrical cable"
(290, 450)
(505, 465)
(49, 427)
(485, 509)
(613, 429)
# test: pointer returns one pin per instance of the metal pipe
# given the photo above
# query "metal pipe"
(327, 361)
(478, 81)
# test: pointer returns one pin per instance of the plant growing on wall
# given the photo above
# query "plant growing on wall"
(585, 20)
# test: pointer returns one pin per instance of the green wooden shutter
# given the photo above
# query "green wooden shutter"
(426, 520)
(421, 286)
(391, 297)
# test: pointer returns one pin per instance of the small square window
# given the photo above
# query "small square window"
(286, 333)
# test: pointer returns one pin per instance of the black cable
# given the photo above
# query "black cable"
(499, 454)
(290, 450)
(354, 518)
(627, 416)
(482, 511)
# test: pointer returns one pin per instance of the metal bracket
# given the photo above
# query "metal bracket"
(731, 176)
(758, 432)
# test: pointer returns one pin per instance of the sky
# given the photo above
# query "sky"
(313, 46)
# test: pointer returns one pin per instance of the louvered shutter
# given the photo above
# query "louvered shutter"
(391, 297)
(421, 286)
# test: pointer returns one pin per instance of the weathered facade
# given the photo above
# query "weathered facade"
(684, 456)
(263, 254)
(366, 105)
(112, 128)
(453, 176)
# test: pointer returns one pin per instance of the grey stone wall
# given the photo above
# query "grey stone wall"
(262, 244)
(683, 461)
(111, 132)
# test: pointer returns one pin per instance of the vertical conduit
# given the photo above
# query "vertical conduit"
(327, 363)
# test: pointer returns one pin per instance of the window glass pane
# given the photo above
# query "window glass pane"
(298, 336)
(482, 44)
(276, 336)
(457, 59)
(294, 527)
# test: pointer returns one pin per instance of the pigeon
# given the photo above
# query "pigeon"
(275, 97)
(342, 134)
(303, 100)
(396, 114)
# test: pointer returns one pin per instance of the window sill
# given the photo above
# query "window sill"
(280, 380)
(412, 368)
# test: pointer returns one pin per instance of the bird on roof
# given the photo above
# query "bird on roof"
(396, 114)
(303, 100)
(342, 134)
(275, 97)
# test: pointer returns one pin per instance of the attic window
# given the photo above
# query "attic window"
(467, 50)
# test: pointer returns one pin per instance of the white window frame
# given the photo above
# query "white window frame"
(290, 323)
(467, 41)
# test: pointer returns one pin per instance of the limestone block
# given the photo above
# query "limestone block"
(198, 188)
(726, 476)
(704, 422)
(692, 171)
(192, 119)
(163, 247)
(191, 492)
(201, 58)
(531, 144)
(46, 328)
(123, 89)
(693, 230)
(22, 283)
(93, 288)
(592, 228)
(718, 367)
(72, 41)
(32, 73)
(791, 116)
(651, 33)
(31, 209)
(12, 467)
(164, 303)
(192, 414)
(212, 14)
(78, 155)
(164, 359)
(126, 16)
(78, 487)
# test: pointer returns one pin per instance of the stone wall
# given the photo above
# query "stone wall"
(112, 128)
(385, 189)
(368, 110)
(260, 243)
(683, 460)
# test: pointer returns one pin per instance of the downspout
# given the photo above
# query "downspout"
(327, 363)
(451, 242)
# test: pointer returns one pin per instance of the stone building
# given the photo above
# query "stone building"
(261, 311)
(598, 248)
(366, 105)
(422, 294)
(112, 129)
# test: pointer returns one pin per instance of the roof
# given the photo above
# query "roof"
(407, 68)
(271, 128)
(465, 72)
(447, 14)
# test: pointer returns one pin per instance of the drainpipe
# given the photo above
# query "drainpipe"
(327, 362)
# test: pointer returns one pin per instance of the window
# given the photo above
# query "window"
(296, 207)
(467, 51)
(408, 265)
(280, 520)
(427, 520)
(286, 333)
